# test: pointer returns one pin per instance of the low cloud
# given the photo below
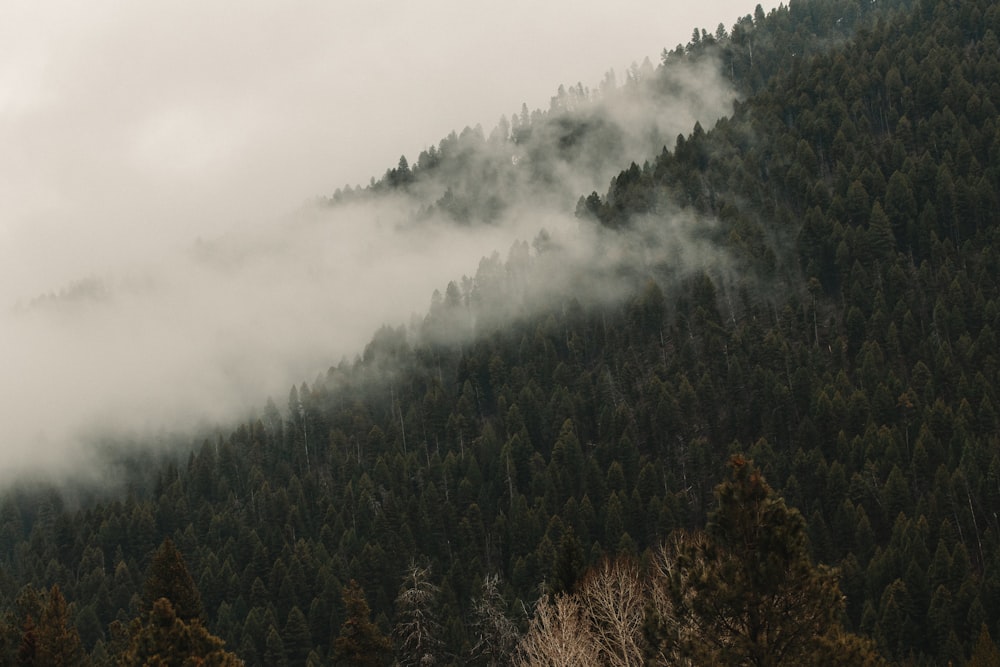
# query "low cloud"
(151, 283)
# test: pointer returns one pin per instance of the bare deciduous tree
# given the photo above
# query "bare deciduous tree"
(417, 631)
(559, 636)
(614, 600)
(666, 574)
(497, 634)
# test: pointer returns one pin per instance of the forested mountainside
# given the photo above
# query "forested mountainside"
(587, 135)
(416, 504)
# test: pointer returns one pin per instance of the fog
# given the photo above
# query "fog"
(162, 263)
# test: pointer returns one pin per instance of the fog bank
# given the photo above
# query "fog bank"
(159, 266)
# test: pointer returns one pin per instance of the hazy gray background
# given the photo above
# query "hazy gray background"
(151, 153)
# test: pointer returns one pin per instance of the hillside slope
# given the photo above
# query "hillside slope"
(812, 282)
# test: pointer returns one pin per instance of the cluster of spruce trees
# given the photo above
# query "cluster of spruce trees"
(460, 471)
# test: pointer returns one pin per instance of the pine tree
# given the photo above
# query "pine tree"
(57, 640)
(748, 593)
(360, 641)
(985, 653)
(296, 637)
(274, 649)
(169, 578)
(28, 646)
(163, 638)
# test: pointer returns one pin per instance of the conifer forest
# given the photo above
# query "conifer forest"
(760, 425)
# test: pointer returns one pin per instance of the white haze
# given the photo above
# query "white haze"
(155, 155)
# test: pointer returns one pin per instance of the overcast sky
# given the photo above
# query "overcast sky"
(129, 129)
(129, 123)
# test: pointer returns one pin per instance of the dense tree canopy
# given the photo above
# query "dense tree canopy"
(747, 592)
(843, 335)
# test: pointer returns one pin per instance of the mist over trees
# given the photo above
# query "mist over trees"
(754, 420)
(536, 163)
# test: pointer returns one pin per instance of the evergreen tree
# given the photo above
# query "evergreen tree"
(295, 636)
(57, 641)
(748, 593)
(163, 638)
(27, 648)
(985, 653)
(360, 641)
(170, 578)
(274, 649)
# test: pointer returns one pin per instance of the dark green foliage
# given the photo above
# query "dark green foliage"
(53, 640)
(847, 340)
(169, 578)
(748, 593)
(163, 638)
(296, 639)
